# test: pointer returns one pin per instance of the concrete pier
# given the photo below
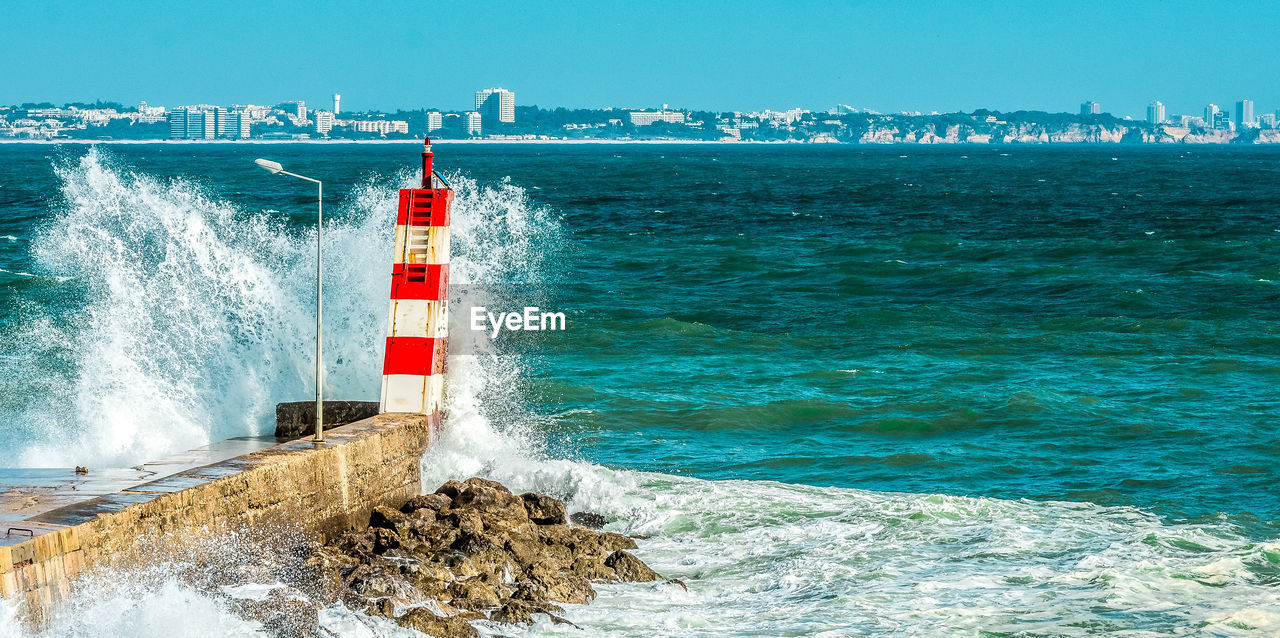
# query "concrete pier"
(54, 527)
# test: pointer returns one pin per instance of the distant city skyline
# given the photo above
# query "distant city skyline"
(886, 56)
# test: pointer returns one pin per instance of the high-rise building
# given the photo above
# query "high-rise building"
(1211, 116)
(324, 121)
(1267, 120)
(496, 105)
(337, 104)
(1244, 114)
(237, 126)
(178, 124)
(207, 122)
(219, 123)
(210, 123)
(435, 121)
(473, 123)
(1090, 108)
(192, 124)
(1155, 112)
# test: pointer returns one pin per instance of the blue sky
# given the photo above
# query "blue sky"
(745, 55)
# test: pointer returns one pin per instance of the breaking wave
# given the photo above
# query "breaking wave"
(191, 331)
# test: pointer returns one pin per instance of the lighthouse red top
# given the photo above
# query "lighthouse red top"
(426, 162)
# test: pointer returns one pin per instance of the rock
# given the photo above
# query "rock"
(451, 489)
(589, 520)
(593, 568)
(521, 612)
(497, 504)
(473, 548)
(474, 590)
(431, 502)
(281, 613)
(629, 568)
(425, 621)
(560, 587)
(544, 510)
(677, 581)
(386, 518)
(476, 481)
(384, 539)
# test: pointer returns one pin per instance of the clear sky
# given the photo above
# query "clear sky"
(744, 55)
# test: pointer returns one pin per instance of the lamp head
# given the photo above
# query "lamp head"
(268, 165)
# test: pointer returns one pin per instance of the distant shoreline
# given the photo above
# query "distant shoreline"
(224, 142)
(411, 141)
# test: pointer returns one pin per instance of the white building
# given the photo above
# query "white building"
(337, 104)
(324, 121)
(435, 121)
(149, 114)
(238, 124)
(190, 123)
(496, 105)
(473, 123)
(1090, 108)
(645, 118)
(384, 127)
(1155, 112)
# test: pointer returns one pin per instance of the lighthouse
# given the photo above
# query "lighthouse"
(418, 325)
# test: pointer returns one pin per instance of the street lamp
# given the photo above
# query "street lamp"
(276, 169)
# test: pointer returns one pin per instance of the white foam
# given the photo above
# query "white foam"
(765, 558)
(198, 319)
(168, 610)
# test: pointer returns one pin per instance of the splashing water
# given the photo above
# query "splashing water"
(760, 558)
(196, 317)
(769, 558)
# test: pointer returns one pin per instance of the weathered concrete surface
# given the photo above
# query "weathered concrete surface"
(320, 490)
(26, 492)
(299, 418)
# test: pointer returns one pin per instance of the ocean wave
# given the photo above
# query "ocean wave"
(760, 556)
(768, 558)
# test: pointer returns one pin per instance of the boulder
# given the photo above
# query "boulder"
(544, 510)
(386, 518)
(430, 502)
(472, 550)
(424, 621)
(630, 569)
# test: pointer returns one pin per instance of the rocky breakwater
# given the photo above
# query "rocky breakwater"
(474, 551)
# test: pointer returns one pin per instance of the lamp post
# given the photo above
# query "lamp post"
(276, 169)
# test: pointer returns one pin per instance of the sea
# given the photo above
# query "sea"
(836, 390)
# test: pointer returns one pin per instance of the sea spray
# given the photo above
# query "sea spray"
(500, 242)
(761, 556)
(768, 557)
(194, 317)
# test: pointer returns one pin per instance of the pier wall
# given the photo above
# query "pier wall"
(320, 490)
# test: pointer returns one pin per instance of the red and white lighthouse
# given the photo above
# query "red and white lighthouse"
(417, 332)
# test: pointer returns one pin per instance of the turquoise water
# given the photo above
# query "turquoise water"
(842, 390)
